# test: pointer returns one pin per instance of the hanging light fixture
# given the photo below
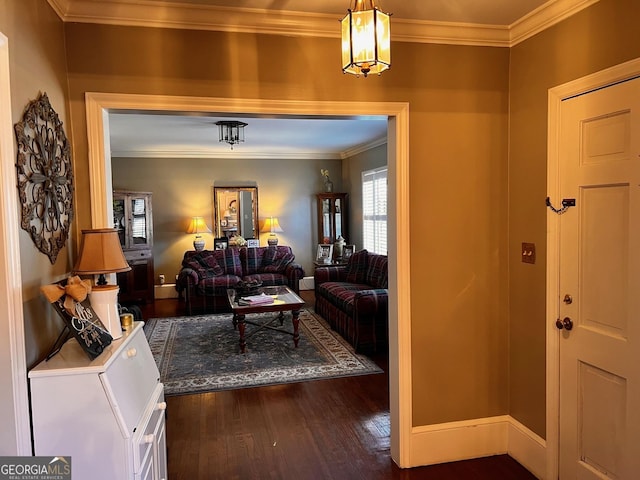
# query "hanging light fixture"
(366, 40)
(231, 131)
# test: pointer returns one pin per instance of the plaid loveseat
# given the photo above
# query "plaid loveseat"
(205, 276)
(353, 299)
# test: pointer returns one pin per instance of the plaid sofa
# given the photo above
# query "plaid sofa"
(205, 276)
(353, 299)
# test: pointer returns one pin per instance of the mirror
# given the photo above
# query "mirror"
(235, 211)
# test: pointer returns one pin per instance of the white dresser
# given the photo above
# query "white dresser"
(108, 414)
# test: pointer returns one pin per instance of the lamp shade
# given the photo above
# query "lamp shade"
(198, 225)
(100, 252)
(271, 225)
(366, 40)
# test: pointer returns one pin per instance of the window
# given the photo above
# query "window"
(374, 210)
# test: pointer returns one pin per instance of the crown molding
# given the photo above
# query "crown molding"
(60, 7)
(544, 17)
(353, 151)
(166, 14)
(250, 154)
(228, 155)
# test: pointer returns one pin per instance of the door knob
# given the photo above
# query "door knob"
(568, 299)
(565, 323)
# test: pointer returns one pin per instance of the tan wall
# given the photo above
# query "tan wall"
(182, 188)
(458, 147)
(37, 64)
(604, 35)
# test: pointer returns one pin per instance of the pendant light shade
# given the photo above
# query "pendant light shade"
(231, 131)
(366, 40)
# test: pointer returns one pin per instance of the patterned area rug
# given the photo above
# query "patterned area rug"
(201, 353)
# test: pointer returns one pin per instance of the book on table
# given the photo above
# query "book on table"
(261, 299)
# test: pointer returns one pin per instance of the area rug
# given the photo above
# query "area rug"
(199, 354)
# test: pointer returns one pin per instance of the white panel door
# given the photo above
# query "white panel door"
(599, 320)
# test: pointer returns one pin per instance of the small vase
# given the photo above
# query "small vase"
(328, 186)
(338, 246)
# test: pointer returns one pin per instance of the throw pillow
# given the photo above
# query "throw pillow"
(357, 267)
(213, 265)
(193, 265)
(279, 264)
(203, 264)
(268, 257)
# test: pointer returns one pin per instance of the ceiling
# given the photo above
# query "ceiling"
(488, 12)
(468, 22)
(196, 136)
(473, 22)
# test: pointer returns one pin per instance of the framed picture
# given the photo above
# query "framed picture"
(347, 251)
(253, 242)
(325, 253)
(220, 243)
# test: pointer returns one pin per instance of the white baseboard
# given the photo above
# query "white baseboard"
(529, 449)
(306, 283)
(483, 437)
(448, 442)
(167, 290)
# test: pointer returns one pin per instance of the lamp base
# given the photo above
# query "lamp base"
(198, 244)
(104, 301)
(272, 241)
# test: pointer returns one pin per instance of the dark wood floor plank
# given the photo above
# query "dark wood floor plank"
(334, 429)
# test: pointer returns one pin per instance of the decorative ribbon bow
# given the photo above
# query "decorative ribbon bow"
(76, 290)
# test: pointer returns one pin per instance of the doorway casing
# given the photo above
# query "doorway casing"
(13, 373)
(98, 106)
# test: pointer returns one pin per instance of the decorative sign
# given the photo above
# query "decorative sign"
(81, 320)
(45, 177)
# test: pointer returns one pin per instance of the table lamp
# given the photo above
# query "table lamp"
(272, 226)
(101, 253)
(197, 226)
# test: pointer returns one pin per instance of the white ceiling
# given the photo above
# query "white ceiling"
(490, 22)
(196, 136)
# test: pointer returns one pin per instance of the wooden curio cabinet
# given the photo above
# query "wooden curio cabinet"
(133, 218)
(333, 219)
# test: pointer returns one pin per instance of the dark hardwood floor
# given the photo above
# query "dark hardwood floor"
(326, 429)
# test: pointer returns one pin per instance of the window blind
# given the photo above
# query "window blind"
(374, 209)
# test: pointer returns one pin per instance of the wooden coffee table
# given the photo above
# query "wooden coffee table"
(285, 300)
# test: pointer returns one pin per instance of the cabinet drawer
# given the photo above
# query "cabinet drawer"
(148, 438)
(131, 380)
(133, 255)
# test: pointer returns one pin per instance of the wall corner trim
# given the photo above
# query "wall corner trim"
(528, 448)
(480, 437)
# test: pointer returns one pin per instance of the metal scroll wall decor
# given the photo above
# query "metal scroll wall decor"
(45, 177)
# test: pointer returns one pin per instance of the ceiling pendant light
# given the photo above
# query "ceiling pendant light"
(366, 40)
(231, 131)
